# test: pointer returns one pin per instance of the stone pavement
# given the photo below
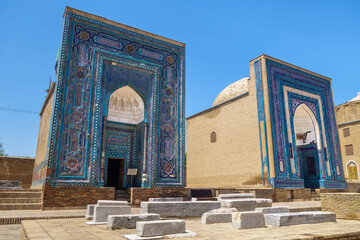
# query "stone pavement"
(77, 229)
(10, 232)
(16, 216)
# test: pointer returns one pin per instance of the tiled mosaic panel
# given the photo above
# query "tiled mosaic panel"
(279, 76)
(73, 123)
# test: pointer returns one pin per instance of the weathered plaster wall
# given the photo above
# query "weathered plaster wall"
(40, 166)
(234, 159)
(17, 169)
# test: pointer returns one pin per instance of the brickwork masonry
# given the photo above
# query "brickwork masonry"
(74, 197)
(345, 205)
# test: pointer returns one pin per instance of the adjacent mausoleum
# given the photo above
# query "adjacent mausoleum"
(276, 127)
(348, 119)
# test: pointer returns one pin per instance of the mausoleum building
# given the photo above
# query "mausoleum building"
(348, 119)
(115, 110)
(276, 127)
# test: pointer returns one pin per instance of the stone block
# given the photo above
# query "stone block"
(221, 215)
(268, 210)
(263, 202)
(175, 199)
(235, 196)
(129, 220)
(179, 209)
(90, 211)
(159, 228)
(102, 212)
(242, 205)
(5, 184)
(296, 218)
(112, 203)
(247, 220)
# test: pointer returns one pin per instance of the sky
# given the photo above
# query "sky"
(221, 38)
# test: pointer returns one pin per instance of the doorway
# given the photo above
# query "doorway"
(115, 174)
(307, 138)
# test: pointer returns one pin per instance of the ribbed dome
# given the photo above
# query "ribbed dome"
(357, 98)
(233, 90)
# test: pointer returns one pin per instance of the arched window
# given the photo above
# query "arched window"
(213, 137)
(352, 170)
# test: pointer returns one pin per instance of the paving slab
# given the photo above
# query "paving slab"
(76, 228)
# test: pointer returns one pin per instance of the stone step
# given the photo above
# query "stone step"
(20, 200)
(20, 206)
(20, 194)
(20, 190)
(122, 195)
(123, 199)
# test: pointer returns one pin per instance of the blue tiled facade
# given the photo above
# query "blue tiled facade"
(287, 88)
(95, 60)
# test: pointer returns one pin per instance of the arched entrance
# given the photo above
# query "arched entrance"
(307, 137)
(123, 136)
(352, 170)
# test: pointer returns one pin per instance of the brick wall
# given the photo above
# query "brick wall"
(345, 205)
(286, 195)
(234, 159)
(74, 197)
(138, 195)
(17, 169)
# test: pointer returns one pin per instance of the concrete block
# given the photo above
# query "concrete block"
(268, 210)
(159, 228)
(112, 203)
(235, 196)
(247, 220)
(242, 205)
(263, 202)
(175, 199)
(221, 215)
(90, 211)
(179, 209)
(296, 218)
(129, 220)
(102, 212)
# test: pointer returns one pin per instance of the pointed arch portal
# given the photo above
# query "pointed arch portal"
(307, 141)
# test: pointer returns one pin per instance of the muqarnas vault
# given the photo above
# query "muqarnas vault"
(117, 104)
(276, 127)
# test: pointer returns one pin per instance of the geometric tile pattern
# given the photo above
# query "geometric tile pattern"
(280, 77)
(96, 59)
